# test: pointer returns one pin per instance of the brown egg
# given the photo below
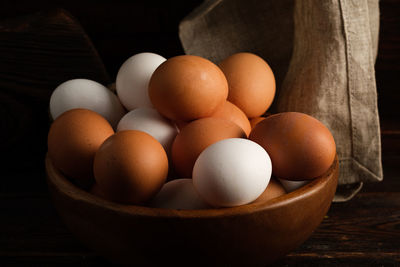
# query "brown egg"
(273, 190)
(251, 83)
(232, 113)
(255, 121)
(130, 167)
(197, 136)
(300, 146)
(185, 88)
(74, 137)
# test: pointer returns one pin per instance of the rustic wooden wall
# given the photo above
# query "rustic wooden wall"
(118, 28)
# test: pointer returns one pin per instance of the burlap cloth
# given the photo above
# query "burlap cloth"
(322, 54)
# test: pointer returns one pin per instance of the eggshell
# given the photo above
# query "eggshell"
(185, 88)
(130, 167)
(255, 121)
(178, 194)
(273, 190)
(291, 186)
(73, 139)
(232, 172)
(300, 146)
(133, 79)
(251, 83)
(232, 113)
(150, 121)
(86, 94)
(195, 137)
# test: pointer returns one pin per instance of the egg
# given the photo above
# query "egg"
(273, 190)
(186, 88)
(195, 137)
(178, 194)
(86, 94)
(73, 139)
(232, 113)
(251, 83)
(291, 186)
(150, 121)
(232, 172)
(300, 146)
(255, 121)
(130, 167)
(133, 79)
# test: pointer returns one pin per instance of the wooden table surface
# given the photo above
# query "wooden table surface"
(362, 232)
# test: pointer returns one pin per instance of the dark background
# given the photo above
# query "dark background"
(118, 29)
(30, 230)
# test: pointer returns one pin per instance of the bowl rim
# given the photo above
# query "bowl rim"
(68, 189)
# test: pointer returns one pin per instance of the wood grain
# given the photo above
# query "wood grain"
(118, 28)
(254, 234)
(38, 53)
(363, 231)
(387, 65)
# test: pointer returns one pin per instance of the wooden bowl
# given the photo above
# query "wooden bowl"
(248, 235)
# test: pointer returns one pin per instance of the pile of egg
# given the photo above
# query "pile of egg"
(184, 133)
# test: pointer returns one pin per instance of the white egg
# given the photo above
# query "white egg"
(148, 120)
(133, 79)
(232, 172)
(290, 186)
(88, 94)
(178, 194)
